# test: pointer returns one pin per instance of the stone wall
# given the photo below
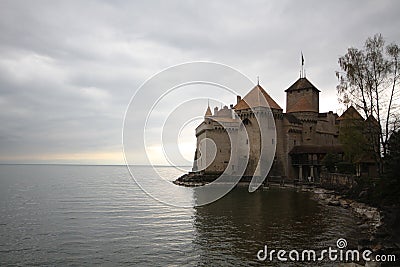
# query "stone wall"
(312, 96)
(337, 180)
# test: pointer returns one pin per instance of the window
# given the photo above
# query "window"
(273, 141)
(294, 142)
(247, 141)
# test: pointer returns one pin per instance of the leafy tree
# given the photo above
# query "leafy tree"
(353, 140)
(330, 162)
(369, 80)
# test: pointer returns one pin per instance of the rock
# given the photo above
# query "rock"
(350, 264)
(362, 194)
(364, 226)
(363, 244)
(344, 203)
(376, 247)
(372, 264)
(334, 203)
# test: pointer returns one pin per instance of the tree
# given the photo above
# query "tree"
(390, 191)
(330, 162)
(369, 80)
(351, 136)
(393, 156)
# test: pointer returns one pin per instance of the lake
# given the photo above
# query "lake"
(96, 215)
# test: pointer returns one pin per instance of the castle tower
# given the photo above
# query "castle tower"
(252, 105)
(302, 101)
(302, 96)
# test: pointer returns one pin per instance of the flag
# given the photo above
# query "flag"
(302, 59)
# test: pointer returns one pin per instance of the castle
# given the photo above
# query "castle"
(303, 135)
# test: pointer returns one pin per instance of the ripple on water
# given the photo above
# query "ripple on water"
(96, 215)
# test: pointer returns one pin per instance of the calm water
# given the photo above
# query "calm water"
(90, 215)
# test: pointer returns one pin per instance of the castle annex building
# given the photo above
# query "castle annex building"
(303, 135)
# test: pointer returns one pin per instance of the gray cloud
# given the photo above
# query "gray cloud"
(69, 68)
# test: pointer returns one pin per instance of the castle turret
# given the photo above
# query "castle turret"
(208, 112)
(302, 96)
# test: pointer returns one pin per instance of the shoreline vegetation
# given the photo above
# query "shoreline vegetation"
(379, 222)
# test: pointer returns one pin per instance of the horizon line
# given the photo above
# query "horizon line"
(87, 164)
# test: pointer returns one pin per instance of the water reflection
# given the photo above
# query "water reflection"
(232, 230)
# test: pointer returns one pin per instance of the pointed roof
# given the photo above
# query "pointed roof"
(350, 114)
(302, 105)
(257, 97)
(372, 120)
(301, 84)
(208, 112)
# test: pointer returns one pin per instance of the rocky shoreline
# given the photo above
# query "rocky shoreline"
(193, 179)
(381, 225)
(377, 224)
(370, 217)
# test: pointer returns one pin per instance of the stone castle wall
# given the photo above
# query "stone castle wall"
(296, 128)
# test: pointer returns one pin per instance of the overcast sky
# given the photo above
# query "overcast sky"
(69, 68)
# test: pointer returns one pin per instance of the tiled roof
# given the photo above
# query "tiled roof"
(350, 114)
(302, 105)
(301, 83)
(257, 97)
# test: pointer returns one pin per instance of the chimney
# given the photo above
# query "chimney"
(238, 98)
(215, 111)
